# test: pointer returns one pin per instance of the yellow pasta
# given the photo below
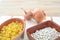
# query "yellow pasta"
(11, 30)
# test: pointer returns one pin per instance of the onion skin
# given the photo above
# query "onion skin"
(28, 15)
(39, 15)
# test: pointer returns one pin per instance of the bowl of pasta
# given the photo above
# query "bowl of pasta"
(12, 29)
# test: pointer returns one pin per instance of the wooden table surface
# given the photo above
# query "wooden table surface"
(12, 7)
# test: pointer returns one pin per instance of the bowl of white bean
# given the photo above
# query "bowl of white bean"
(47, 30)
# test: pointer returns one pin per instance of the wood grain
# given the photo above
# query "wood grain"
(12, 7)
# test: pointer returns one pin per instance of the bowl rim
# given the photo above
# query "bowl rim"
(11, 20)
(47, 22)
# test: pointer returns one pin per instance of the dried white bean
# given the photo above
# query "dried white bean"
(46, 34)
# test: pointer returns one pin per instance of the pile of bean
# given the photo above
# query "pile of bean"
(47, 33)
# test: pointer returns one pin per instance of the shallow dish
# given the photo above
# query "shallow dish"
(14, 20)
(41, 26)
